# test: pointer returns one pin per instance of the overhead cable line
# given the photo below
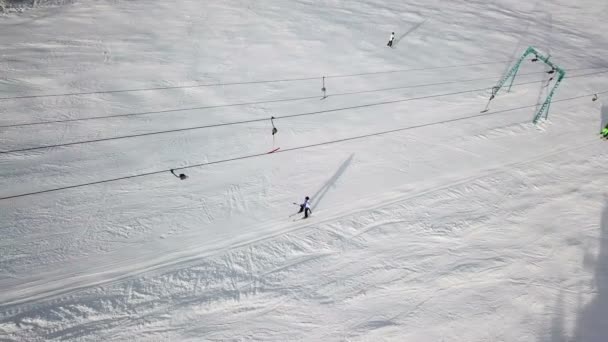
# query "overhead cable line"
(290, 149)
(257, 102)
(219, 84)
(264, 119)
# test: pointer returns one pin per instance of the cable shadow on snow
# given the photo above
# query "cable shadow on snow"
(591, 323)
(318, 196)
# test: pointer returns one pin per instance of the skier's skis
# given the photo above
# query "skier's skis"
(273, 151)
(294, 214)
(300, 218)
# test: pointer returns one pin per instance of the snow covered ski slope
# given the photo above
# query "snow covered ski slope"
(432, 221)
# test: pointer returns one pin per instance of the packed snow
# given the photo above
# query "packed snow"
(430, 220)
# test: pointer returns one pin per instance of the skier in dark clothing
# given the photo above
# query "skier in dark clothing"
(390, 41)
(305, 207)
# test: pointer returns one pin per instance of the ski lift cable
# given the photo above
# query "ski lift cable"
(82, 142)
(380, 133)
(221, 84)
(293, 99)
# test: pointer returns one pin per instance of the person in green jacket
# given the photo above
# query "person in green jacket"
(605, 132)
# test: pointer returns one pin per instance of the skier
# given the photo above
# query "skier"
(305, 207)
(390, 42)
(604, 132)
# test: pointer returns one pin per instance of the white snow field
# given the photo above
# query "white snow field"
(456, 226)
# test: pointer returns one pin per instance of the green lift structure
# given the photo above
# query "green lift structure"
(510, 76)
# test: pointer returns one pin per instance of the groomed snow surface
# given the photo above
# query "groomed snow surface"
(460, 227)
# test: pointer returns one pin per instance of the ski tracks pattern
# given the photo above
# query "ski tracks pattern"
(267, 277)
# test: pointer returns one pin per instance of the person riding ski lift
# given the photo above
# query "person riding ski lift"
(305, 207)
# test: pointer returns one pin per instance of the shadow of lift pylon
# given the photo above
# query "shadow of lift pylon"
(544, 109)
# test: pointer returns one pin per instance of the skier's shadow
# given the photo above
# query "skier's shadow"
(318, 196)
(414, 28)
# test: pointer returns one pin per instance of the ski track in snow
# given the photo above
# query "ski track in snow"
(485, 229)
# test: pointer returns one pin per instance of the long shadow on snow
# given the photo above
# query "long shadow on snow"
(591, 325)
(556, 327)
(318, 196)
(414, 28)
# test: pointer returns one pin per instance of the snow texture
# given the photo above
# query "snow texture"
(21, 5)
(463, 227)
